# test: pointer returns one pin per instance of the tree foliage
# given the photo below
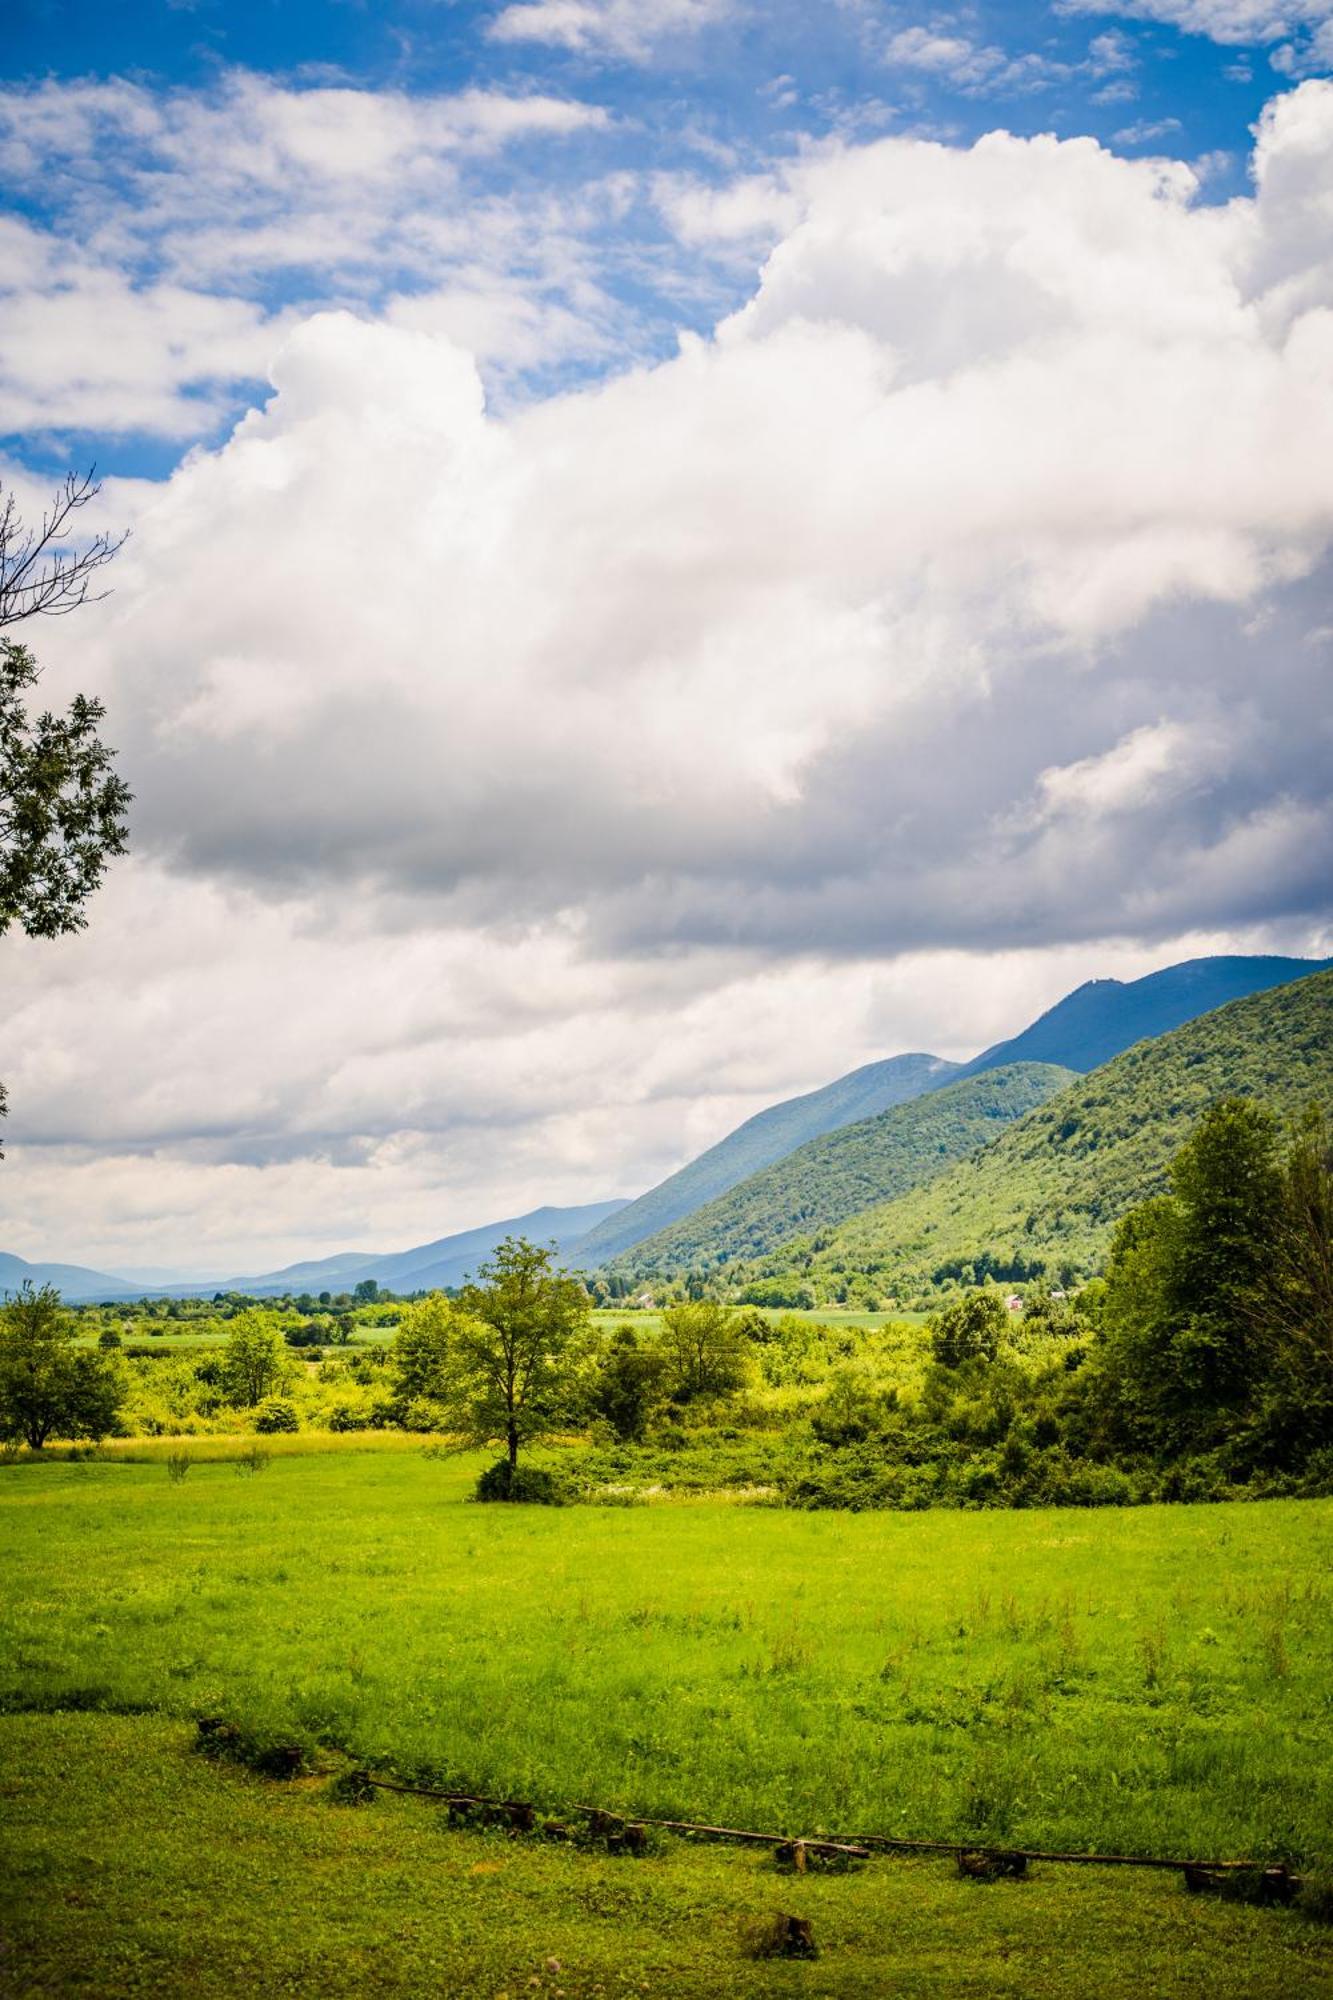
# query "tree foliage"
(423, 1350)
(1218, 1308)
(706, 1350)
(49, 1387)
(1184, 1273)
(631, 1384)
(513, 1352)
(970, 1329)
(62, 807)
(253, 1361)
(1291, 1305)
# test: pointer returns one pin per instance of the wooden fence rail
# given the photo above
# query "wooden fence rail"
(858, 1847)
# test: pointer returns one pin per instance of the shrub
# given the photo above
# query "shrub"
(1315, 1900)
(971, 1329)
(346, 1417)
(851, 1411)
(270, 1753)
(529, 1485)
(277, 1415)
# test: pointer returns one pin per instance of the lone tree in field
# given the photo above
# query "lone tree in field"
(254, 1361)
(62, 808)
(512, 1356)
(48, 1386)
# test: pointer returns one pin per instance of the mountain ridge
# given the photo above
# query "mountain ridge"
(768, 1136)
(1045, 1196)
(842, 1172)
(1079, 1033)
(1089, 1026)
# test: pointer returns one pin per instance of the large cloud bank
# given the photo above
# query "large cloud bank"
(916, 607)
(968, 589)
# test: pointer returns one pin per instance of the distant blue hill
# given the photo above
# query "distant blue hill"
(1099, 1021)
(73, 1281)
(448, 1262)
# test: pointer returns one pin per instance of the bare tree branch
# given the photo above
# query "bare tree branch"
(44, 571)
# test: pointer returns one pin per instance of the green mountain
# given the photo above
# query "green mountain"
(842, 1172)
(761, 1140)
(1045, 1196)
(1088, 1027)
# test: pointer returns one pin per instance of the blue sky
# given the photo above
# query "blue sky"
(717, 89)
(678, 547)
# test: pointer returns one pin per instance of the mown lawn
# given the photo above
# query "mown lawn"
(129, 1867)
(1149, 1680)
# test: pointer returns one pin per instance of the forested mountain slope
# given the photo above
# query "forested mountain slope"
(842, 1172)
(1088, 1027)
(761, 1140)
(1046, 1195)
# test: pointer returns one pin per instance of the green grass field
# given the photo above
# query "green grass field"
(1152, 1680)
(132, 1868)
(213, 1332)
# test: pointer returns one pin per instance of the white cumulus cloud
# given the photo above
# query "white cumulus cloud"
(507, 784)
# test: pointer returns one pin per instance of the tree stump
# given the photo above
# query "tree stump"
(992, 1864)
(781, 1936)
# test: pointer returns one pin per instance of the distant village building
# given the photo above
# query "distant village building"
(1014, 1303)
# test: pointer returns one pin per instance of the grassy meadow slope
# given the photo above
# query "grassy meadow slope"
(761, 1140)
(842, 1172)
(1051, 1188)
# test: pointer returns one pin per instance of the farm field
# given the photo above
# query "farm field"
(213, 1332)
(132, 1868)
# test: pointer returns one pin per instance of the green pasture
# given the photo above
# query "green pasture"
(129, 1867)
(181, 1337)
(1141, 1680)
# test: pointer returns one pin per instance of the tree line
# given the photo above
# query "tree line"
(1200, 1365)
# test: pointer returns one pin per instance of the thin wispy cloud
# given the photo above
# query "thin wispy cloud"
(631, 29)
